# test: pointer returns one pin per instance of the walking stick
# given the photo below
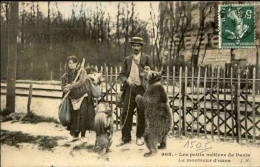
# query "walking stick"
(81, 67)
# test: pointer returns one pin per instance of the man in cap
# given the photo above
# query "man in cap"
(133, 85)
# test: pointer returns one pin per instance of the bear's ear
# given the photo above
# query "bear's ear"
(162, 72)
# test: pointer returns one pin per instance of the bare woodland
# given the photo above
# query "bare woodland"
(44, 42)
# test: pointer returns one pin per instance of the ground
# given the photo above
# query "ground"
(49, 144)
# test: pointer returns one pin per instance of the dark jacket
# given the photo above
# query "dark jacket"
(145, 60)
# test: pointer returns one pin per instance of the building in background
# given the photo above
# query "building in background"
(189, 34)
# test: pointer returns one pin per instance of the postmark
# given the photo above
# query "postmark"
(236, 26)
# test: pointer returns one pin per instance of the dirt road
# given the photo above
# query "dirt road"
(49, 144)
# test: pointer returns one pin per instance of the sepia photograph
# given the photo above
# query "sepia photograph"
(130, 83)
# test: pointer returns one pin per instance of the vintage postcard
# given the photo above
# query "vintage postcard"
(130, 83)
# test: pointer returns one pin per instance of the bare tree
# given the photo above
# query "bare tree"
(126, 26)
(118, 25)
(157, 48)
(132, 19)
(5, 12)
(42, 37)
(176, 24)
(48, 67)
(184, 25)
(108, 21)
(206, 9)
(12, 56)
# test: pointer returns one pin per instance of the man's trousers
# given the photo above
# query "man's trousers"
(129, 106)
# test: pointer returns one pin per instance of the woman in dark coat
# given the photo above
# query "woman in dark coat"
(81, 101)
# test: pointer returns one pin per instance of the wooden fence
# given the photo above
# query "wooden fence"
(220, 103)
(216, 103)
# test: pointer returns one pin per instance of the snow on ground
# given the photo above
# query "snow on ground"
(178, 150)
(40, 106)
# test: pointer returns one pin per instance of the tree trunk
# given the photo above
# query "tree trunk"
(49, 42)
(117, 27)
(12, 57)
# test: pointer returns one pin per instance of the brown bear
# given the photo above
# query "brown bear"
(158, 116)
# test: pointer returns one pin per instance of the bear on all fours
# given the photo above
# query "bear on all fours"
(158, 116)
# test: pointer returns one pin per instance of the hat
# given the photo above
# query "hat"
(137, 40)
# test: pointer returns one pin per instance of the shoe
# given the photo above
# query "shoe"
(122, 142)
(83, 139)
(139, 141)
(73, 139)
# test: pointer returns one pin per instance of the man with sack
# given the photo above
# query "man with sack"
(133, 85)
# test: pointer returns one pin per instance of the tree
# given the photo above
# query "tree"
(12, 56)
(176, 23)
(5, 11)
(118, 26)
(179, 24)
(157, 35)
(126, 27)
(206, 9)
(46, 41)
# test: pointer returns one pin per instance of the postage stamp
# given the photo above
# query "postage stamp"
(236, 26)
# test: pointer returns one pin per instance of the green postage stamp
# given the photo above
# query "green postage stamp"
(236, 26)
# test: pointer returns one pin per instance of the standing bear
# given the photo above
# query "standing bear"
(158, 116)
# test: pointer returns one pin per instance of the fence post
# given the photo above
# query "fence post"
(32, 72)
(246, 130)
(101, 71)
(218, 112)
(225, 107)
(180, 90)
(198, 102)
(211, 101)
(29, 98)
(111, 84)
(51, 75)
(205, 107)
(232, 102)
(116, 100)
(120, 69)
(238, 108)
(106, 83)
(185, 101)
(173, 91)
(253, 105)
(47, 71)
(192, 102)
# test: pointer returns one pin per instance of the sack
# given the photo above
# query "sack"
(95, 90)
(79, 92)
(64, 112)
